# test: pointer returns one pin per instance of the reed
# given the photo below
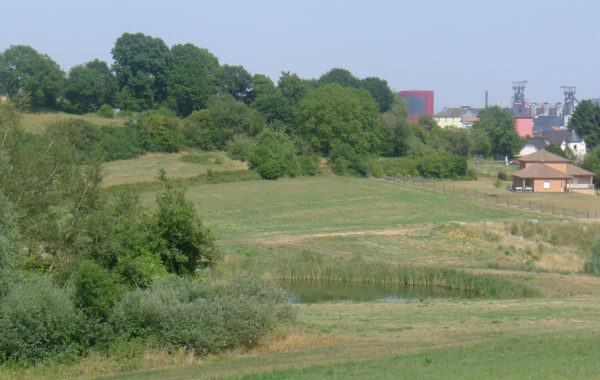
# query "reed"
(377, 272)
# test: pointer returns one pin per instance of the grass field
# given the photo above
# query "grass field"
(258, 223)
(145, 168)
(37, 122)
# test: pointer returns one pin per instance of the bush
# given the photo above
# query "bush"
(240, 147)
(502, 176)
(346, 161)
(38, 320)
(208, 316)
(96, 290)
(592, 265)
(106, 111)
(271, 169)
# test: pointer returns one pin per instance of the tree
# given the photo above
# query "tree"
(193, 78)
(187, 244)
(274, 106)
(395, 129)
(142, 65)
(224, 118)
(25, 72)
(498, 124)
(332, 114)
(380, 91)
(342, 77)
(236, 81)
(89, 86)
(586, 122)
(292, 87)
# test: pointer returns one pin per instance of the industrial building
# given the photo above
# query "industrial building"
(420, 102)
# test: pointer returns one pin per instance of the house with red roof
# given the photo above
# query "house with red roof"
(545, 172)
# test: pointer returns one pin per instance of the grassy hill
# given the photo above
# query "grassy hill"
(260, 223)
(36, 123)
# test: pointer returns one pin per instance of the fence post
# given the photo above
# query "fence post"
(507, 200)
(518, 203)
(529, 208)
(553, 209)
(588, 214)
(465, 192)
(564, 213)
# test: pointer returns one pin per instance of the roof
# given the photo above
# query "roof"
(560, 136)
(538, 142)
(547, 122)
(451, 112)
(577, 171)
(542, 156)
(540, 171)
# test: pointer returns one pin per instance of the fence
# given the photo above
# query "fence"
(508, 200)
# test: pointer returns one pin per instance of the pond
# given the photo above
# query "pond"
(332, 291)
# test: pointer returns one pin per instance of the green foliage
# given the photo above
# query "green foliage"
(339, 76)
(159, 131)
(434, 165)
(225, 117)
(208, 316)
(235, 81)
(498, 183)
(38, 321)
(10, 249)
(270, 169)
(380, 91)
(586, 122)
(193, 78)
(89, 86)
(96, 290)
(499, 126)
(292, 87)
(26, 73)
(185, 243)
(332, 114)
(240, 147)
(345, 161)
(592, 265)
(142, 65)
(553, 148)
(274, 155)
(106, 111)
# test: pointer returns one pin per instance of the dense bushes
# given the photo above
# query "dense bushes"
(205, 316)
(39, 320)
(437, 165)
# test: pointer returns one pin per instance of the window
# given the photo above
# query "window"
(546, 184)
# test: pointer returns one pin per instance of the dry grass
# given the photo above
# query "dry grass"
(145, 168)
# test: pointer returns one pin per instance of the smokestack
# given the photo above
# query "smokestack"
(486, 99)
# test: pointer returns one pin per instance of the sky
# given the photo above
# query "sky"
(457, 48)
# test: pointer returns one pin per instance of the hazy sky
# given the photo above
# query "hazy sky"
(459, 48)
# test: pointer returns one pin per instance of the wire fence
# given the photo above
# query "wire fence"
(508, 200)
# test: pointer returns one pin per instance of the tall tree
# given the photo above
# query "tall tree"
(380, 91)
(193, 78)
(142, 65)
(498, 124)
(25, 72)
(89, 86)
(342, 77)
(236, 81)
(333, 114)
(292, 87)
(586, 122)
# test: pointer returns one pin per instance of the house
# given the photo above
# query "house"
(562, 138)
(456, 117)
(545, 172)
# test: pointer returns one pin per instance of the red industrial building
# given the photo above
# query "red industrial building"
(420, 102)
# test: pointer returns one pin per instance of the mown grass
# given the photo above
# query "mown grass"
(144, 169)
(36, 123)
(537, 338)
(332, 204)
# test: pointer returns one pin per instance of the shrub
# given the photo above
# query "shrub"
(347, 161)
(592, 265)
(208, 316)
(271, 169)
(240, 147)
(502, 176)
(106, 111)
(498, 183)
(38, 320)
(96, 290)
